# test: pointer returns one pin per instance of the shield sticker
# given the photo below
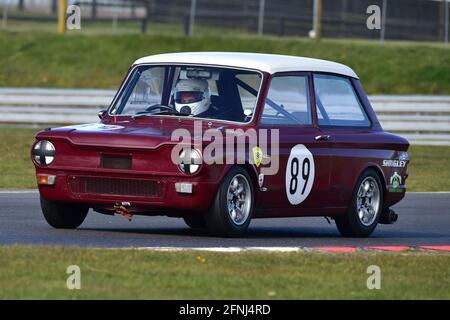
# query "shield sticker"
(257, 155)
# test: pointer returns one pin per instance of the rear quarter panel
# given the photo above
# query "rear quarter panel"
(367, 150)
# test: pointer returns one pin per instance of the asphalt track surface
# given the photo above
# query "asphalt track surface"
(424, 219)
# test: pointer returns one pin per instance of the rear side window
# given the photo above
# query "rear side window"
(287, 101)
(337, 103)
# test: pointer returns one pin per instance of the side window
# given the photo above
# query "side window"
(337, 103)
(287, 101)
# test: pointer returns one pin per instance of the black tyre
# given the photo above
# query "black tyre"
(365, 208)
(195, 222)
(63, 215)
(232, 209)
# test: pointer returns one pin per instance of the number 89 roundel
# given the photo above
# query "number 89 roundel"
(299, 174)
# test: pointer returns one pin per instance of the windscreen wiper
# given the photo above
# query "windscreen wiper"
(162, 112)
(171, 112)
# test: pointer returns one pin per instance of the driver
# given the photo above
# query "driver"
(192, 96)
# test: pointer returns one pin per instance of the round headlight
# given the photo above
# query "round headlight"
(44, 152)
(190, 161)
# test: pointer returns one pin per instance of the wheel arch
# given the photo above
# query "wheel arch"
(253, 173)
(380, 174)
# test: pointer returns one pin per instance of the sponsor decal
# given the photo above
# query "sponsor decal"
(396, 181)
(299, 174)
(257, 155)
(394, 163)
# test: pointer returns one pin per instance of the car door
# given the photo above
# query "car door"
(302, 180)
(342, 116)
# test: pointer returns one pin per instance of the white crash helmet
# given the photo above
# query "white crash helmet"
(192, 96)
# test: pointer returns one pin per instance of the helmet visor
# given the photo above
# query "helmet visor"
(186, 97)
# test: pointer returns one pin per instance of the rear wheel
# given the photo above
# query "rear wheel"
(365, 209)
(232, 209)
(62, 215)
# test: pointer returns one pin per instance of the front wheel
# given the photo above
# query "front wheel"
(63, 215)
(232, 209)
(365, 209)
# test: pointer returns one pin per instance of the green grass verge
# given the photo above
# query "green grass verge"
(425, 170)
(16, 168)
(40, 273)
(45, 59)
(428, 170)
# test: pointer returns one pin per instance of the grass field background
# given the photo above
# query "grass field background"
(40, 273)
(428, 170)
(44, 59)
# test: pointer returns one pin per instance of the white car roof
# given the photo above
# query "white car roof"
(270, 63)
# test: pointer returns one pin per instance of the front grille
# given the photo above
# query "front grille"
(113, 186)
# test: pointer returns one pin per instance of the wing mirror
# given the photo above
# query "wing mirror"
(102, 113)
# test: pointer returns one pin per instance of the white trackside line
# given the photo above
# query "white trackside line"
(18, 191)
(288, 249)
(221, 249)
(276, 249)
(211, 249)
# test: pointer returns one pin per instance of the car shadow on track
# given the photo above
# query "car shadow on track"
(257, 232)
(268, 233)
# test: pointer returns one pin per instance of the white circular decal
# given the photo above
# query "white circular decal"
(299, 174)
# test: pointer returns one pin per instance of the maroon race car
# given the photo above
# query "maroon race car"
(221, 138)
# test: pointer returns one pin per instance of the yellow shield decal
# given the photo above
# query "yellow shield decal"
(257, 155)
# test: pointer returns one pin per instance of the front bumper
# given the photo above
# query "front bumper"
(144, 193)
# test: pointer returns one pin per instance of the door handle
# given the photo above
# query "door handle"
(323, 137)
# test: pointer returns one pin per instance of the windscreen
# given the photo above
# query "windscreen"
(212, 93)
